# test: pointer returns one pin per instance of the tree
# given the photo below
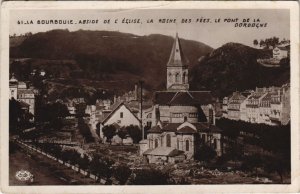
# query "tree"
(150, 177)
(135, 133)
(122, 173)
(122, 133)
(279, 164)
(84, 162)
(252, 162)
(255, 42)
(18, 117)
(101, 166)
(85, 130)
(98, 129)
(262, 43)
(52, 113)
(205, 153)
(109, 131)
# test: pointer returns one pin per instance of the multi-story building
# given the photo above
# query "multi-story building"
(269, 106)
(280, 52)
(225, 107)
(234, 106)
(19, 91)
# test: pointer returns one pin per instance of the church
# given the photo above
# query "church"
(181, 119)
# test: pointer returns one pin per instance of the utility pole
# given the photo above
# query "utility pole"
(141, 108)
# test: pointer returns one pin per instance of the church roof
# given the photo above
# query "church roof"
(186, 129)
(183, 97)
(163, 151)
(176, 57)
(173, 127)
(155, 129)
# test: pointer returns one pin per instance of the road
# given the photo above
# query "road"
(42, 174)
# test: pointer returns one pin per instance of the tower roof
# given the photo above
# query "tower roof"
(176, 57)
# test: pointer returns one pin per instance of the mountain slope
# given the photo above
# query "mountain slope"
(234, 67)
(103, 54)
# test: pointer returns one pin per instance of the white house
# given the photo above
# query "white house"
(280, 52)
(122, 116)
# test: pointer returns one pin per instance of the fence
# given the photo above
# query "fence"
(73, 167)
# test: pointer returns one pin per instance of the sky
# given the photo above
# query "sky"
(212, 33)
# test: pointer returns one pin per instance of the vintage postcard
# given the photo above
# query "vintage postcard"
(149, 97)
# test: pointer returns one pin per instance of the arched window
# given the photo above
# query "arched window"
(187, 145)
(168, 140)
(177, 77)
(183, 77)
(170, 76)
(156, 143)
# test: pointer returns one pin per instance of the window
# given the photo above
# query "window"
(203, 137)
(193, 115)
(185, 119)
(183, 78)
(156, 143)
(177, 77)
(149, 115)
(121, 114)
(168, 140)
(177, 115)
(149, 123)
(215, 144)
(187, 145)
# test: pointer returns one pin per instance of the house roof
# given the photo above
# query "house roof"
(186, 129)
(183, 97)
(283, 48)
(155, 129)
(163, 151)
(237, 96)
(117, 108)
(24, 104)
(177, 57)
(173, 127)
(206, 127)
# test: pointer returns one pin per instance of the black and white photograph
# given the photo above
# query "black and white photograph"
(149, 97)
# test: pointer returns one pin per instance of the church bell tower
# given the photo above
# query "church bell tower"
(177, 69)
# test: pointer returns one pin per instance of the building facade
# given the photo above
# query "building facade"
(20, 92)
(181, 120)
(269, 106)
(122, 116)
(280, 52)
